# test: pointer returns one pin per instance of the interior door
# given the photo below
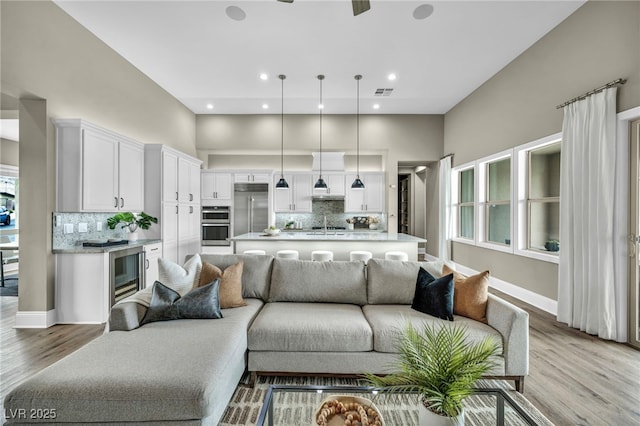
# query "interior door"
(634, 237)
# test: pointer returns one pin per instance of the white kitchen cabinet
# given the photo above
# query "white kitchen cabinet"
(172, 181)
(97, 169)
(296, 198)
(152, 252)
(369, 199)
(253, 176)
(335, 185)
(216, 186)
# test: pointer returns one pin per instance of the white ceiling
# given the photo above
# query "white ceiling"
(201, 56)
(9, 129)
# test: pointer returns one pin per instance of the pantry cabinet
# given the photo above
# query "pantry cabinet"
(97, 170)
(172, 194)
(296, 198)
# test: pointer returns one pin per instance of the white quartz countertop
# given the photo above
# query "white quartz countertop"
(329, 236)
(80, 249)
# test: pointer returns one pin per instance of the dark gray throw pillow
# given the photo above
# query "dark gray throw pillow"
(200, 303)
(434, 296)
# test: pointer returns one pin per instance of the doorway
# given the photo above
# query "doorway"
(634, 236)
(404, 204)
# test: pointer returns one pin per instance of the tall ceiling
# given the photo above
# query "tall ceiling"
(212, 52)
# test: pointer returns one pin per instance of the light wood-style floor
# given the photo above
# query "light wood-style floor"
(575, 379)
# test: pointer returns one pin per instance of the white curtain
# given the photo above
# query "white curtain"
(586, 278)
(444, 228)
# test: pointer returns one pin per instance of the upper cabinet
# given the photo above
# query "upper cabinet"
(97, 170)
(296, 198)
(335, 185)
(188, 180)
(216, 186)
(257, 176)
(369, 199)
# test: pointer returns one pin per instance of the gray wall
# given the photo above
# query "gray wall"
(598, 43)
(8, 152)
(397, 138)
(47, 55)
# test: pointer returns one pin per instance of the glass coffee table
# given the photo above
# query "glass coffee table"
(292, 405)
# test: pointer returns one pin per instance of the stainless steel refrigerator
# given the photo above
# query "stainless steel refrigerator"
(250, 207)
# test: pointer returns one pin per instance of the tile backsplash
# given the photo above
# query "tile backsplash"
(332, 209)
(76, 222)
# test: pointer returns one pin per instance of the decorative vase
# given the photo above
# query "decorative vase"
(350, 226)
(373, 226)
(427, 417)
(552, 246)
(132, 236)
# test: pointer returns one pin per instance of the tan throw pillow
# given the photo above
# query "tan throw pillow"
(470, 294)
(230, 283)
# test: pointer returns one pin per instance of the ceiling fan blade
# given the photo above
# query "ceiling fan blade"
(360, 6)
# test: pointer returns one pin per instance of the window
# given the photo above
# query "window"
(466, 206)
(543, 200)
(498, 203)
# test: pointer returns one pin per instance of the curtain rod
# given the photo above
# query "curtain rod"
(593, 92)
(445, 156)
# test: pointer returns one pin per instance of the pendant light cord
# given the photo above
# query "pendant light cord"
(282, 77)
(358, 77)
(321, 77)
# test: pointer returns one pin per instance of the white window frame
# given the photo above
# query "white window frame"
(455, 202)
(521, 153)
(481, 171)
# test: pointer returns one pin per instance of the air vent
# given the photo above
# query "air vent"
(383, 92)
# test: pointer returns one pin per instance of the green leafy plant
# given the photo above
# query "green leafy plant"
(439, 364)
(131, 221)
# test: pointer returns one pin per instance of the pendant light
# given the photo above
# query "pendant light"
(282, 183)
(357, 184)
(320, 183)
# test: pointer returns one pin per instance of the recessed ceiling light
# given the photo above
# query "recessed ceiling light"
(423, 11)
(392, 77)
(263, 76)
(235, 13)
(376, 106)
(209, 106)
(265, 106)
(320, 106)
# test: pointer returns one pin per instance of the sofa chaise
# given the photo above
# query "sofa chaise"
(300, 317)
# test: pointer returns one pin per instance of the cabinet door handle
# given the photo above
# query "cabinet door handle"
(176, 195)
(215, 195)
(176, 209)
(147, 262)
(116, 204)
(248, 178)
(294, 206)
(121, 202)
(190, 209)
(190, 197)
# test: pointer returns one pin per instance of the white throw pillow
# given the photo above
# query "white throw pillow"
(180, 278)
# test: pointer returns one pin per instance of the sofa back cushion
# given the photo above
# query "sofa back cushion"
(327, 282)
(256, 271)
(390, 282)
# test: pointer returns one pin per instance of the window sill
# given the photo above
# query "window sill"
(532, 254)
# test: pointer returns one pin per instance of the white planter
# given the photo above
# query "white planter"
(427, 417)
(132, 236)
(350, 226)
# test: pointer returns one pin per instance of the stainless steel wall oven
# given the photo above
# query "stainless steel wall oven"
(216, 225)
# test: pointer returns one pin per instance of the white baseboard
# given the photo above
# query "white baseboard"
(35, 319)
(527, 296)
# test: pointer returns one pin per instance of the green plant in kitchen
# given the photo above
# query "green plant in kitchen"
(441, 364)
(131, 221)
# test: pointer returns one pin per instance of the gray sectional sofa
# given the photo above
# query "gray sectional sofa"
(301, 317)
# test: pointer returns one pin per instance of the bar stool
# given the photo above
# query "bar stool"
(287, 254)
(254, 252)
(396, 255)
(360, 255)
(322, 255)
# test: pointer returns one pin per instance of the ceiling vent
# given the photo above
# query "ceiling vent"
(383, 92)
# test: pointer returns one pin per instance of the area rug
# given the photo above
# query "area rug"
(10, 286)
(297, 409)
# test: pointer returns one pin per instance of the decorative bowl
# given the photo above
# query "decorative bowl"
(272, 231)
(338, 419)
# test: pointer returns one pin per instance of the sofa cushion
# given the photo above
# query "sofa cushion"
(308, 281)
(471, 294)
(256, 271)
(387, 323)
(230, 283)
(434, 296)
(393, 282)
(180, 278)
(310, 327)
(166, 304)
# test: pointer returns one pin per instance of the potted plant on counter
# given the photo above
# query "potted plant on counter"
(442, 366)
(132, 222)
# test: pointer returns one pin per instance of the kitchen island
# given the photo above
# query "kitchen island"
(339, 242)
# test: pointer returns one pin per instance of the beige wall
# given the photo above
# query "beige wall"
(8, 152)
(47, 55)
(397, 138)
(598, 43)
